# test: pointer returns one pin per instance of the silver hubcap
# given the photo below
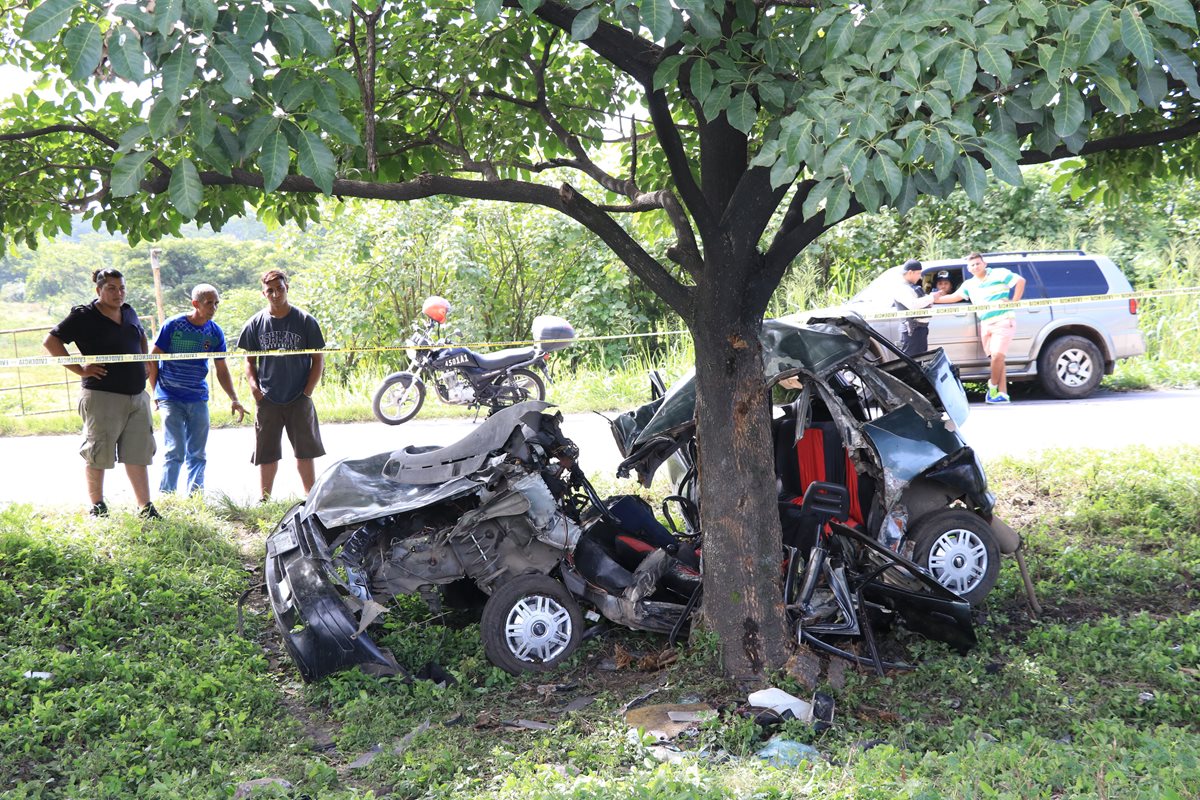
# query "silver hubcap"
(397, 399)
(1074, 368)
(538, 628)
(958, 560)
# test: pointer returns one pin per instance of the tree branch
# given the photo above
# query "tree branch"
(1124, 141)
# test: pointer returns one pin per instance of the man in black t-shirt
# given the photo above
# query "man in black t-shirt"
(117, 424)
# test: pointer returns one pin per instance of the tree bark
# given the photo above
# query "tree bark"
(743, 599)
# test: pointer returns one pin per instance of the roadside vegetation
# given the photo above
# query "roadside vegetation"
(124, 674)
(364, 270)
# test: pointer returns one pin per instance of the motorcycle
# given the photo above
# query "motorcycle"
(505, 517)
(461, 376)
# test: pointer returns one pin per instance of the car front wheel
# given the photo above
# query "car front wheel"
(530, 624)
(958, 550)
(1070, 367)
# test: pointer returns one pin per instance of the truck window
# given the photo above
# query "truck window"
(1070, 278)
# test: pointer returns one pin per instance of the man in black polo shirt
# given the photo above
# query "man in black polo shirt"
(117, 424)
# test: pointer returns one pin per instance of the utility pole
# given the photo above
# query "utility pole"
(154, 252)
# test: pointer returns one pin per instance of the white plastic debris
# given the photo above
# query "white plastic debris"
(780, 702)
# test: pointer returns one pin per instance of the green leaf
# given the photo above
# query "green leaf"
(229, 62)
(1069, 113)
(783, 173)
(316, 34)
(838, 203)
(585, 23)
(707, 26)
(127, 174)
(994, 60)
(959, 72)
(488, 10)
(178, 73)
(813, 201)
(742, 112)
(274, 160)
(83, 44)
(203, 124)
(338, 125)
(345, 82)
(857, 167)
(1096, 34)
(1178, 11)
(667, 70)
(658, 16)
(125, 54)
(252, 23)
(701, 79)
(938, 102)
(1116, 94)
(163, 117)
(293, 36)
(1151, 85)
(1005, 167)
(140, 19)
(772, 95)
(1183, 68)
(835, 157)
(889, 174)
(315, 161)
(185, 189)
(255, 134)
(166, 14)
(972, 177)
(45, 21)
(341, 7)
(840, 35)
(203, 13)
(131, 137)
(1135, 36)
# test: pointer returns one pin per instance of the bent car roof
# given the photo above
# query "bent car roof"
(816, 347)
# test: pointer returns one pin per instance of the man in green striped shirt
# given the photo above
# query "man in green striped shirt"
(996, 327)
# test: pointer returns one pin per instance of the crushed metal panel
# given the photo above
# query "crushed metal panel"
(909, 444)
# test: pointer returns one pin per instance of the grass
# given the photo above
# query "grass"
(154, 694)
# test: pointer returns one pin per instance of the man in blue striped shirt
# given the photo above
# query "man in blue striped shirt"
(180, 388)
(997, 326)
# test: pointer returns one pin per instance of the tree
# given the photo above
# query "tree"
(746, 126)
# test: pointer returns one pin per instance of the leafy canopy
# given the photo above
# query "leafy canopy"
(867, 104)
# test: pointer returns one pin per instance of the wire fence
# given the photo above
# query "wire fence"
(30, 391)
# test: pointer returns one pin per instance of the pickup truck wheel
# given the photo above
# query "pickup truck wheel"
(530, 624)
(959, 551)
(1070, 367)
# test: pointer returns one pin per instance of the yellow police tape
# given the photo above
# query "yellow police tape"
(935, 310)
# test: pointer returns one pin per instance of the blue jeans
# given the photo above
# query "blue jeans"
(185, 433)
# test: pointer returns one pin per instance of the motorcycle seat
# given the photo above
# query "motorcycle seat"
(504, 358)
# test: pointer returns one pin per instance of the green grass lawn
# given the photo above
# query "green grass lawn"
(151, 691)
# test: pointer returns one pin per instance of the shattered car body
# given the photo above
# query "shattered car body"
(921, 489)
(508, 512)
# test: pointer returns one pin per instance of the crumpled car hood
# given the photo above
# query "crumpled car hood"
(358, 490)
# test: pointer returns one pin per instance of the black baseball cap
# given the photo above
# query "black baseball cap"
(945, 273)
(911, 264)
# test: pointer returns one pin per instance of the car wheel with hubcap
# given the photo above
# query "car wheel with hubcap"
(530, 624)
(958, 549)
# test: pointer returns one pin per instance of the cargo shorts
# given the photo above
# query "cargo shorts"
(116, 427)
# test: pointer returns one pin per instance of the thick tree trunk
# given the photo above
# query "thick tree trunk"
(743, 599)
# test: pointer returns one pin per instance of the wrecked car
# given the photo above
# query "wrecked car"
(507, 512)
(888, 431)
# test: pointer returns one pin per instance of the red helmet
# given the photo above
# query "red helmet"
(436, 308)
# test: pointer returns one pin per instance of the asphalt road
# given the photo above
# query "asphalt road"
(46, 470)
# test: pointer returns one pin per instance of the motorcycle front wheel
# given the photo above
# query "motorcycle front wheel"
(398, 399)
(517, 387)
